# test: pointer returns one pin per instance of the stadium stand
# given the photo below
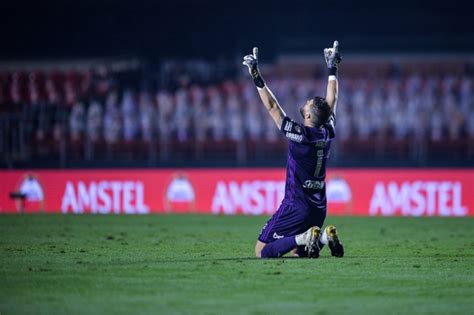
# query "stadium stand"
(100, 113)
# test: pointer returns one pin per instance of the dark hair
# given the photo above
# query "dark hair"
(320, 111)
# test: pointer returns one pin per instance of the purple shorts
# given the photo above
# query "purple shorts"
(288, 221)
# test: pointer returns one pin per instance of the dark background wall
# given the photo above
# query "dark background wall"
(206, 28)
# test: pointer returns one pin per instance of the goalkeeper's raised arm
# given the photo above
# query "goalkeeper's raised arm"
(333, 58)
(268, 99)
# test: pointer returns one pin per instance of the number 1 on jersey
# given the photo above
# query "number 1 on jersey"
(319, 163)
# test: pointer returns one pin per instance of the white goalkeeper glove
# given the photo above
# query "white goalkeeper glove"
(251, 61)
(333, 58)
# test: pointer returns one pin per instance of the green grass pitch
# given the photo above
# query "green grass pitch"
(190, 264)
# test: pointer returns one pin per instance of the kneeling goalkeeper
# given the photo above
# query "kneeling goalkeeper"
(296, 226)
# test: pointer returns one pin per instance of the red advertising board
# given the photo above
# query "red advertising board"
(373, 192)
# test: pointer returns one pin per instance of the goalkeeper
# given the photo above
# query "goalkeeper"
(296, 226)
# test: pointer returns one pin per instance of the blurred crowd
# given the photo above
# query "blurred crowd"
(100, 106)
(434, 108)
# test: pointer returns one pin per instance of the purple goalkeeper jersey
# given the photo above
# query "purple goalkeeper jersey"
(308, 151)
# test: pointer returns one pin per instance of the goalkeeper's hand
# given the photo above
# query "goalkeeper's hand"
(251, 61)
(332, 55)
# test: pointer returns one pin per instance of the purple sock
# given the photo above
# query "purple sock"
(279, 247)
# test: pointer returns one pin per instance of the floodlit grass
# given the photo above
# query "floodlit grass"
(191, 264)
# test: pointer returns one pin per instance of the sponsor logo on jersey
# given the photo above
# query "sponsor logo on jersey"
(320, 144)
(294, 137)
(277, 237)
(313, 184)
(288, 126)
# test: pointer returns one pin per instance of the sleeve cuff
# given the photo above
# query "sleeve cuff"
(332, 71)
